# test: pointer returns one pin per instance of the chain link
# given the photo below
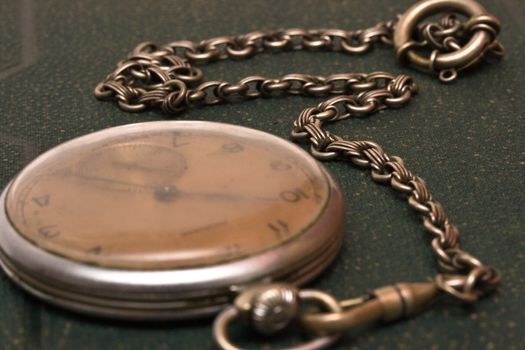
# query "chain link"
(461, 275)
(166, 78)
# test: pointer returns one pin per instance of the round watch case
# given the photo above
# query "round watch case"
(164, 292)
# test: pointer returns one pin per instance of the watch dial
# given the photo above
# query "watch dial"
(150, 196)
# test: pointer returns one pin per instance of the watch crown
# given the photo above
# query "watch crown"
(268, 308)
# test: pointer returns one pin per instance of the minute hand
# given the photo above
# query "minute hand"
(224, 196)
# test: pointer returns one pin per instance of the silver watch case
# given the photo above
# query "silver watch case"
(166, 294)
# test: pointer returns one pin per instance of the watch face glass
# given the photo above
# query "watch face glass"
(167, 195)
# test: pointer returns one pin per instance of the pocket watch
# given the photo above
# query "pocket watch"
(172, 219)
(167, 219)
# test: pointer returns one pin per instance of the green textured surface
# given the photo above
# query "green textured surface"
(466, 140)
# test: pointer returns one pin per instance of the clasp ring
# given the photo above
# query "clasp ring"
(483, 34)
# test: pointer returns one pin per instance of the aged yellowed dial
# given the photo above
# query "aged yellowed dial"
(168, 198)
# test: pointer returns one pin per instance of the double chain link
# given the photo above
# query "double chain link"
(166, 78)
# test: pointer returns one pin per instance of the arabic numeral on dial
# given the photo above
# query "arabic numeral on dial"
(175, 140)
(232, 147)
(96, 250)
(279, 228)
(49, 231)
(293, 196)
(232, 250)
(279, 165)
(41, 201)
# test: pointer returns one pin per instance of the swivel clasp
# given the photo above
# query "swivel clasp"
(270, 308)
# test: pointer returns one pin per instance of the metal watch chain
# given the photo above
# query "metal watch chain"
(166, 78)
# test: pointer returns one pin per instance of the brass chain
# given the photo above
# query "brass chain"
(166, 78)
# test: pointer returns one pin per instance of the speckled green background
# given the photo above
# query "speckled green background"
(465, 139)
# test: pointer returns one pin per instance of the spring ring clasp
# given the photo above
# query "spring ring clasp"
(478, 34)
